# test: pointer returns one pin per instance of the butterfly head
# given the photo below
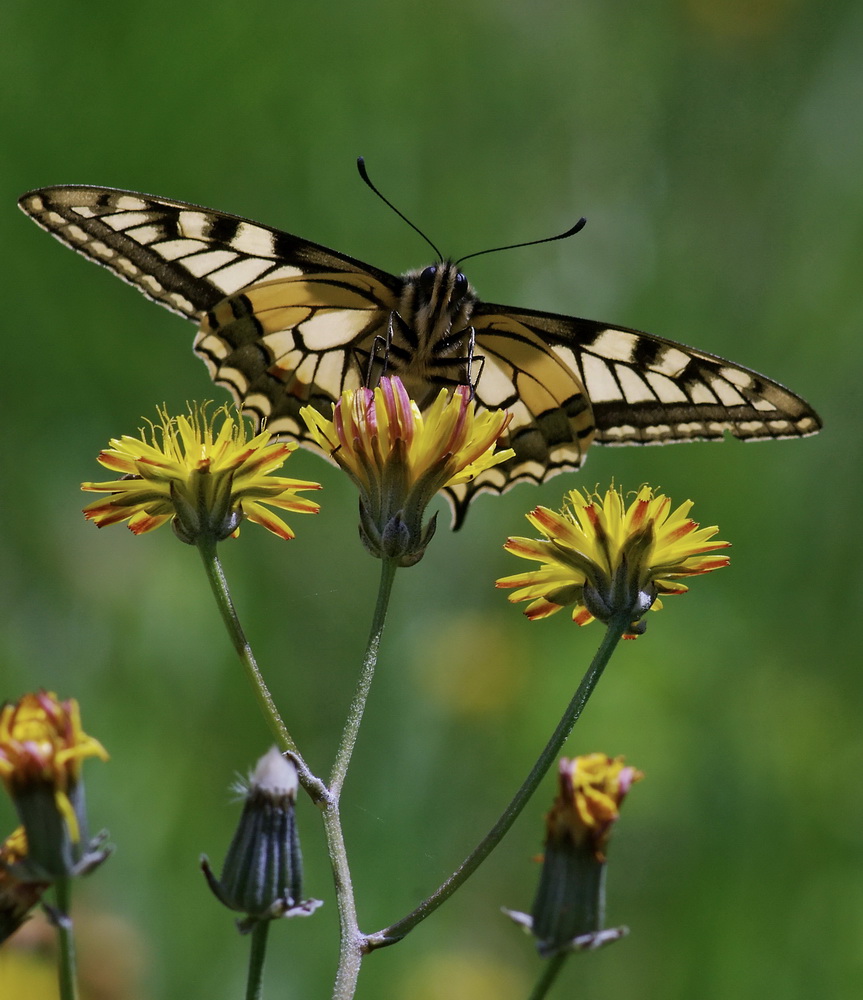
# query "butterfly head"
(437, 299)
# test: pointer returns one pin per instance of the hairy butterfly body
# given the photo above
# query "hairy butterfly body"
(284, 322)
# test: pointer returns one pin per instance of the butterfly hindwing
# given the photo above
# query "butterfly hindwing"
(280, 345)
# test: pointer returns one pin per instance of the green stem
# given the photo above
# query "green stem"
(351, 941)
(219, 585)
(68, 977)
(284, 740)
(257, 954)
(395, 932)
(549, 975)
(370, 659)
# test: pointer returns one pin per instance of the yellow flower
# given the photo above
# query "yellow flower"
(609, 560)
(568, 913)
(399, 458)
(590, 791)
(18, 894)
(202, 480)
(42, 747)
(41, 740)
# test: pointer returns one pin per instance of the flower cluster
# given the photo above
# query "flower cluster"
(608, 560)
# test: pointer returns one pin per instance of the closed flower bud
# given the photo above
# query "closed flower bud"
(262, 874)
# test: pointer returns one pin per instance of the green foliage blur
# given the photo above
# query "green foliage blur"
(717, 152)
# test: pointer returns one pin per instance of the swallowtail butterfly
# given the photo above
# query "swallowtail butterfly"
(284, 322)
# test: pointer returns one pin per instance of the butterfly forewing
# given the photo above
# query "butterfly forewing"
(285, 322)
(183, 256)
(647, 390)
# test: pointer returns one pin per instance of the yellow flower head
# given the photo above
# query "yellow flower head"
(42, 746)
(18, 895)
(590, 791)
(608, 560)
(41, 740)
(399, 458)
(568, 912)
(203, 480)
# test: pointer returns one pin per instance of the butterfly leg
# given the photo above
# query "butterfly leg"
(471, 357)
(460, 365)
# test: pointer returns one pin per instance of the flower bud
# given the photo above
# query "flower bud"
(569, 910)
(262, 874)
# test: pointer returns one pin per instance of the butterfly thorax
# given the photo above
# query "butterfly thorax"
(432, 339)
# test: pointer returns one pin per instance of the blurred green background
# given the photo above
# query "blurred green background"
(717, 151)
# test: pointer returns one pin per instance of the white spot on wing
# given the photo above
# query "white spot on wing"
(700, 393)
(305, 372)
(671, 362)
(635, 389)
(181, 302)
(494, 386)
(235, 380)
(253, 240)
(126, 266)
(148, 281)
(332, 329)
(126, 220)
(129, 203)
(568, 357)
(286, 271)
(330, 372)
(236, 276)
(727, 394)
(666, 389)
(145, 234)
(172, 249)
(211, 345)
(657, 432)
(101, 249)
(736, 377)
(202, 263)
(615, 345)
(195, 225)
(763, 404)
(599, 381)
(283, 349)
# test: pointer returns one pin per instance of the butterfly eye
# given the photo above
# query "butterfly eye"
(427, 280)
(460, 285)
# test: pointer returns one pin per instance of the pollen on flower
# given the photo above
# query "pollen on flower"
(609, 560)
(203, 478)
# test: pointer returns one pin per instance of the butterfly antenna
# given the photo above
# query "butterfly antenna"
(361, 166)
(531, 243)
